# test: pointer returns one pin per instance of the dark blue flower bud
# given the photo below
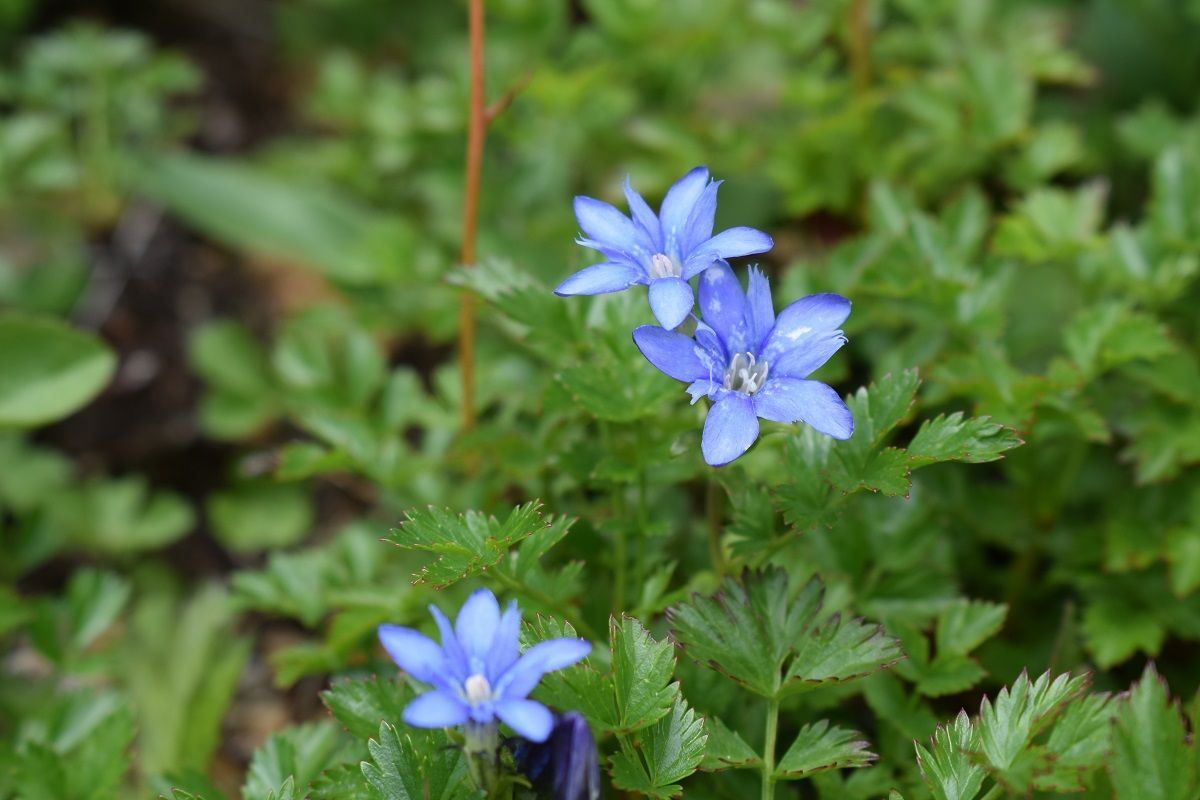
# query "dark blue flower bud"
(564, 767)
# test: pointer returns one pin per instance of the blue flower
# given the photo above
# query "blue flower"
(664, 251)
(564, 767)
(753, 364)
(478, 673)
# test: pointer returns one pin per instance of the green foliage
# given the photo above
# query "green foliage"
(411, 765)
(757, 634)
(49, 370)
(671, 750)
(1151, 754)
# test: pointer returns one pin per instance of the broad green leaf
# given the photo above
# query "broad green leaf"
(362, 705)
(343, 782)
(966, 624)
(415, 765)
(671, 750)
(947, 767)
(642, 671)
(819, 747)
(953, 438)
(247, 207)
(1151, 759)
(1183, 559)
(726, 749)
(126, 515)
(463, 543)
(47, 369)
(1106, 336)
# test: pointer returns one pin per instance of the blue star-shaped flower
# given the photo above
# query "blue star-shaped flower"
(477, 672)
(663, 251)
(753, 364)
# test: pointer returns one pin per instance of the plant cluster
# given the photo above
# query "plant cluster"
(959, 561)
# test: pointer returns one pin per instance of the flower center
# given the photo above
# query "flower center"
(745, 374)
(663, 266)
(478, 689)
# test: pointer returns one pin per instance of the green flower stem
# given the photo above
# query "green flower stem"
(712, 507)
(481, 746)
(768, 759)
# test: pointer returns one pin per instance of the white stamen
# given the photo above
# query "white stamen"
(478, 689)
(745, 374)
(663, 266)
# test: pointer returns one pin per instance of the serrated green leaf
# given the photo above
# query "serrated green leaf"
(748, 629)
(1151, 759)
(1007, 725)
(343, 782)
(753, 632)
(414, 766)
(295, 755)
(953, 438)
(1078, 744)
(947, 768)
(362, 705)
(819, 747)
(966, 624)
(726, 749)
(464, 544)
(671, 750)
(642, 670)
(841, 650)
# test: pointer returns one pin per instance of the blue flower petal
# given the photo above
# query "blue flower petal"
(700, 222)
(723, 306)
(712, 351)
(730, 429)
(456, 658)
(606, 225)
(436, 709)
(506, 645)
(670, 352)
(809, 322)
(804, 360)
(413, 652)
(702, 388)
(645, 219)
(476, 626)
(677, 207)
(730, 243)
(762, 309)
(600, 279)
(792, 400)
(671, 301)
(529, 719)
(543, 657)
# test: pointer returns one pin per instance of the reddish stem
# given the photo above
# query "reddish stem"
(477, 125)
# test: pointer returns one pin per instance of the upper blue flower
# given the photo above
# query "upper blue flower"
(664, 251)
(478, 673)
(753, 364)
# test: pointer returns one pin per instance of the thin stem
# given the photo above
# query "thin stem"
(643, 522)
(712, 509)
(768, 765)
(476, 129)
(860, 45)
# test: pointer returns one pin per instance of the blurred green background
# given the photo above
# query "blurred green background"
(256, 208)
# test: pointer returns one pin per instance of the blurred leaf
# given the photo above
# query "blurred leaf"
(308, 225)
(260, 516)
(47, 369)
